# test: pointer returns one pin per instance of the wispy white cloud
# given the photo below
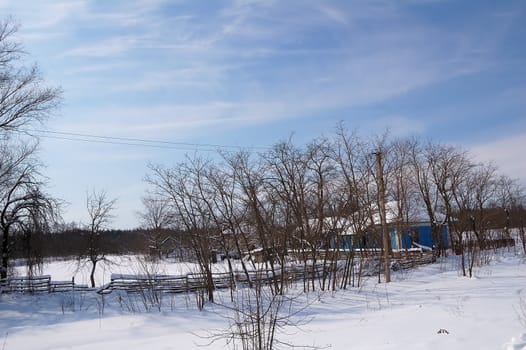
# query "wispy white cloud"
(335, 14)
(356, 70)
(95, 68)
(163, 119)
(373, 67)
(397, 125)
(507, 152)
(192, 74)
(48, 14)
(113, 46)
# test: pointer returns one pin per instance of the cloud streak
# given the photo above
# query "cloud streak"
(264, 60)
(507, 153)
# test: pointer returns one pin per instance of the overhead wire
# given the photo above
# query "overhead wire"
(127, 143)
(136, 142)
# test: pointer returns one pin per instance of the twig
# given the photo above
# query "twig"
(5, 340)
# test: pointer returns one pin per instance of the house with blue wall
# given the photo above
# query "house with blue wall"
(421, 234)
(415, 235)
(403, 235)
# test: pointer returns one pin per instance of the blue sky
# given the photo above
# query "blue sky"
(250, 73)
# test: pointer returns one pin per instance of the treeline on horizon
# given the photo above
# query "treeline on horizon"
(70, 243)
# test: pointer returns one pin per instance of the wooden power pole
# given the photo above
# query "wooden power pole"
(383, 220)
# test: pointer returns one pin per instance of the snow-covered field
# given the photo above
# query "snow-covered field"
(483, 312)
(65, 270)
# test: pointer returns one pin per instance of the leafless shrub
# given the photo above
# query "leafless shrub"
(73, 301)
(148, 292)
(259, 319)
(521, 309)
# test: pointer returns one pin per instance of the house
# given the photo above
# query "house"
(416, 230)
(419, 234)
(404, 234)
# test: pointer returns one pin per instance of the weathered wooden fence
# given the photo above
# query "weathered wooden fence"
(197, 281)
(409, 259)
(38, 284)
(295, 272)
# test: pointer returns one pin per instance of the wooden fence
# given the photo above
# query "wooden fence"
(197, 281)
(38, 284)
(296, 272)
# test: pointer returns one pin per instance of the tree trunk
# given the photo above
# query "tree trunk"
(5, 254)
(92, 274)
(521, 231)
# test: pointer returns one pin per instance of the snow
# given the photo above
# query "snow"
(479, 313)
(65, 270)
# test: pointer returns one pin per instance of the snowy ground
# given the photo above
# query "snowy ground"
(479, 313)
(65, 270)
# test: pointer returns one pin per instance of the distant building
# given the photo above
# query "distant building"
(419, 234)
(404, 234)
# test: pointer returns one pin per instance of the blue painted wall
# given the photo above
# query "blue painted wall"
(421, 234)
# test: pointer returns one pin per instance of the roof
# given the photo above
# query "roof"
(346, 227)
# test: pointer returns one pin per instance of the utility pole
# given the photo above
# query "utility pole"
(383, 220)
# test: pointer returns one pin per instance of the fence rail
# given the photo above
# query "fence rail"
(297, 272)
(38, 284)
(197, 281)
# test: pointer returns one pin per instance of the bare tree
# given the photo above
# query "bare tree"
(100, 214)
(429, 200)
(223, 199)
(401, 188)
(24, 206)
(510, 197)
(235, 212)
(283, 199)
(357, 186)
(157, 217)
(24, 99)
(450, 168)
(183, 187)
(321, 195)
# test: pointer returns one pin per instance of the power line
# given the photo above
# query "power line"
(180, 148)
(135, 140)
(128, 141)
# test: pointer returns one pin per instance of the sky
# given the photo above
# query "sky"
(251, 73)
